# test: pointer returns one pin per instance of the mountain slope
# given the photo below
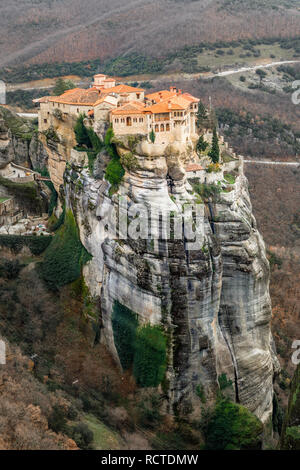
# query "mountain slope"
(65, 30)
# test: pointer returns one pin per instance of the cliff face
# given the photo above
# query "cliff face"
(212, 299)
(19, 142)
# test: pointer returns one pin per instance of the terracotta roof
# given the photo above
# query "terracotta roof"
(190, 97)
(161, 95)
(122, 89)
(109, 80)
(77, 96)
(99, 75)
(193, 167)
(103, 99)
(43, 99)
(133, 107)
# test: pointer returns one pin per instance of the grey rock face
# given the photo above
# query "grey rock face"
(213, 301)
(18, 142)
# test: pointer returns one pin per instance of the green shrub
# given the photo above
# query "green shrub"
(128, 160)
(10, 269)
(150, 356)
(114, 173)
(82, 435)
(206, 191)
(229, 178)
(224, 382)
(16, 242)
(233, 427)
(200, 393)
(65, 256)
(81, 133)
(58, 223)
(124, 324)
(57, 420)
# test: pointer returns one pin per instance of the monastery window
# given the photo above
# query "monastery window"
(123, 120)
(45, 121)
(167, 127)
(141, 119)
(77, 110)
(138, 96)
(156, 129)
(162, 128)
(128, 121)
(134, 119)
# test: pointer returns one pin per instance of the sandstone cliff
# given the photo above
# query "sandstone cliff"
(212, 301)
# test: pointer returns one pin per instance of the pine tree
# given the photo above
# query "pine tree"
(152, 136)
(201, 145)
(201, 114)
(81, 133)
(215, 149)
(61, 86)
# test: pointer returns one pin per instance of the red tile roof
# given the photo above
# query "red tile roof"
(119, 89)
(77, 96)
(133, 107)
(193, 167)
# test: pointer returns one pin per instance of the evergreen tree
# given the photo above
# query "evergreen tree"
(201, 114)
(201, 145)
(152, 136)
(61, 86)
(81, 133)
(215, 149)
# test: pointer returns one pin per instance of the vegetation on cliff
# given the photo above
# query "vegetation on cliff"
(232, 427)
(65, 256)
(87, 140)
(143, 348)
(114, 171)
(150, 356)
(290, 438)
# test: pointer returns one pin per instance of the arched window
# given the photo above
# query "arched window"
(162, 128)
(156, 128)
(128, 121)
(167, 127)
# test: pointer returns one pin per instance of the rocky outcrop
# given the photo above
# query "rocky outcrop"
(212, 297)
(19, 142)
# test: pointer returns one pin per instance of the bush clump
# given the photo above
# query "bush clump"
(16, 242)
(233, 427)
(114, 171)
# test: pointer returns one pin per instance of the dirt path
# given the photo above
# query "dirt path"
(266, 162)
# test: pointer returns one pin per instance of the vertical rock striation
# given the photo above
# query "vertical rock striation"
(212, 300)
